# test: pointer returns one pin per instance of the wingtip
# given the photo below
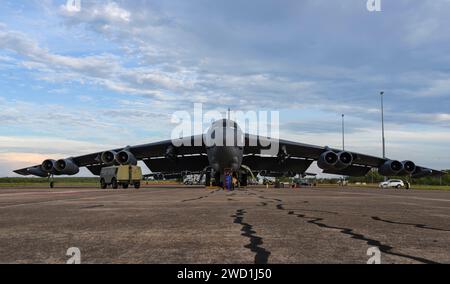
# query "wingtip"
(22, 172)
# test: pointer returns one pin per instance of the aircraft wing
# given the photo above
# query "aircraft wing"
(292, 157)
(161, 157)
(295, 158)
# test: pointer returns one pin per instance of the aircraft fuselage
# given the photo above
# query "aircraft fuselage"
(225, 146)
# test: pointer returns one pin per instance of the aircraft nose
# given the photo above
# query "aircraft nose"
(226, 157)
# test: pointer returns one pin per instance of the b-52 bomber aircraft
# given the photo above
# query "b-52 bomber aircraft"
(224, 148)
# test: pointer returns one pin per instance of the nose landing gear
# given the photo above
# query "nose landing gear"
(231, 180)
(51, 182)
(228, 179)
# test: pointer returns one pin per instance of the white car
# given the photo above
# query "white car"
(392, 183)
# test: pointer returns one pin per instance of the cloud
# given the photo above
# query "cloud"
(94, 124)
(321, 126)
(439, 87)
(47, 145)
(170, 54)
(184, 85)
(98, 66)
(108, 13)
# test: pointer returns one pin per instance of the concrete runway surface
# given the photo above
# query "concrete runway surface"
(196, 225)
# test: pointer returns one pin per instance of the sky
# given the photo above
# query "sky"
(113, 73)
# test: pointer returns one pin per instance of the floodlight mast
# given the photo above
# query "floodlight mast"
(382, 128)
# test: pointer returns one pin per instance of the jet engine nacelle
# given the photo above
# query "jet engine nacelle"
(345, 160)
(48, 166)
(408, 168)
(66, 167)
(390, 168)
(327, 160)
(332, 161)
(126, 158)
(108, 157)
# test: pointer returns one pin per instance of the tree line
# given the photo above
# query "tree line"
(374, 177)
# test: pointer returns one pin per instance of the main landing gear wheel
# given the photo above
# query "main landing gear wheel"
(51, 181)
(114, 183)
(103, 184)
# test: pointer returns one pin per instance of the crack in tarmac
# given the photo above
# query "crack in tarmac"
(371, 242)
(347, 231)
(261, 254)
(193, 199)
(420, 226)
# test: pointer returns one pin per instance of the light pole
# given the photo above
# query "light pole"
(382, 127)
(343, 144)
(343, 133)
